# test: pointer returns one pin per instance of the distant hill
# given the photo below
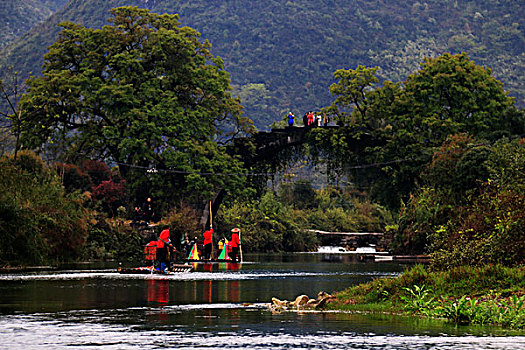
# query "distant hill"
(281, 54)
(18, 16)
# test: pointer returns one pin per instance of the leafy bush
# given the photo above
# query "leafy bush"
(111, 194)
(418, 299)
(461, 222)
(73, 178)
(39, 222)
(489, 231)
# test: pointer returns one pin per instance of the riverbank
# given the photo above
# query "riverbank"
(492, 295)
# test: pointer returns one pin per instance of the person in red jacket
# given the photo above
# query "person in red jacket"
(208, 238)
(163, 256)
(235, 243)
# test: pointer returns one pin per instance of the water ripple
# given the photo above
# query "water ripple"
(30, 331)
(192, 276)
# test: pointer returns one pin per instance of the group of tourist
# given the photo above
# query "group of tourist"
(204, 247)
(310, 119)
(232, 244)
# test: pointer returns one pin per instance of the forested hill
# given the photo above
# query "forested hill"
(18, 16)
(281, 54)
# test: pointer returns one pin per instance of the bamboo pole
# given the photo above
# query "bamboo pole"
(240, 245)
(211, 228)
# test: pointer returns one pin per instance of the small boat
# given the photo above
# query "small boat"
(150, 270)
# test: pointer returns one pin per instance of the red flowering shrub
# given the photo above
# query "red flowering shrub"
(111, 194)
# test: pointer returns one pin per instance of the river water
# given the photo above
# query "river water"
(216, 306)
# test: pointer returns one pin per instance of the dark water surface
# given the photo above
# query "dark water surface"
(216, 306)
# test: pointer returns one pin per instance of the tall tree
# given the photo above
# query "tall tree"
(143, 92)
(351, 89)
(450, 94)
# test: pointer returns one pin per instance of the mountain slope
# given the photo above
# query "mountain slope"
(281, 54)
(20, 16)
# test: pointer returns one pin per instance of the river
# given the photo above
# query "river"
(216, 306)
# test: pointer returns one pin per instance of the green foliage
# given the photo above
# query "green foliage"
(143, 92)
(452, 94)
(277, 223)
(457, 168)
(267, 226)
(332, 209)
(258, 101)
(39, 223)
(462, 310)
(403, 125)
(381, 289)
(485, 295)
(488, 231)
(506, 164)
(507, 312)
(274, 224)
(350, 89)
(461, 216)
(418, 299)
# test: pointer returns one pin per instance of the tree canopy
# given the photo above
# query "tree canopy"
(144, 93)
(450, 94)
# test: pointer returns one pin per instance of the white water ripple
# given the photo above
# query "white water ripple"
(190, 276)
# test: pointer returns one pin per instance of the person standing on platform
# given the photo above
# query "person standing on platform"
(310, 118)
(291, 118)
(208, 238)
(235, 244)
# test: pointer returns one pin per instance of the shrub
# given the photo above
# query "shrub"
(489, 231)
(39, 222)
(73, 178)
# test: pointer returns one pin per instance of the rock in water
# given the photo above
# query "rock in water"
(301, 300)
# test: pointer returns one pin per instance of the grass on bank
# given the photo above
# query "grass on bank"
(485, 295)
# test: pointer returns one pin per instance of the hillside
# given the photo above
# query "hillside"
(281, 54)
(18, 17)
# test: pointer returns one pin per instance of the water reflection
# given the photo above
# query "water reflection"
(158, 292)
(230, 326)
(219, 306)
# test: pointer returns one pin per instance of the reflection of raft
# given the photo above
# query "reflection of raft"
(174, 269)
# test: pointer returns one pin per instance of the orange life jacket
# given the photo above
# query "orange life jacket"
(150, 251)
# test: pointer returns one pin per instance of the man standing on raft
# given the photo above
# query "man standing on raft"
(163, 253)
(235, 244)
(208, 243)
